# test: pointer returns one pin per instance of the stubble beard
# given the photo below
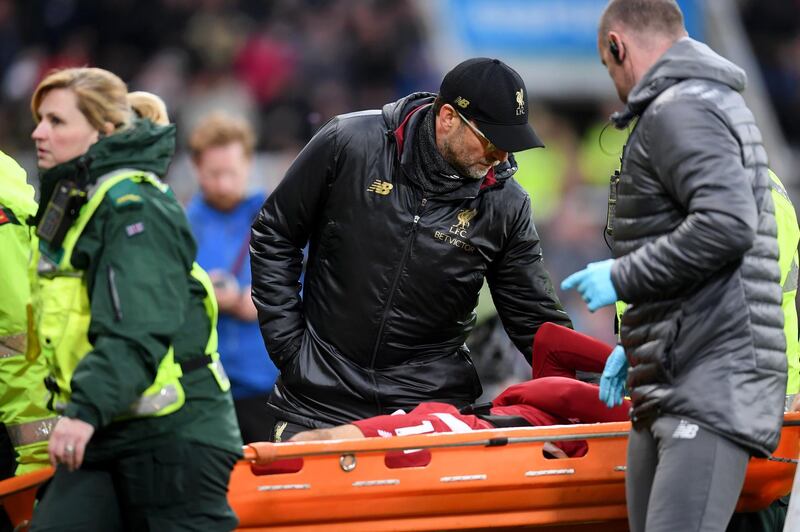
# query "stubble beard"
(450, 154)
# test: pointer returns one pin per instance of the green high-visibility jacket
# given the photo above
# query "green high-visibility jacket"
(139, 308)
(23, 397)
(65, 309)
(788, 239)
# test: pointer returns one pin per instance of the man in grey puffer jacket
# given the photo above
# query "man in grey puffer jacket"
(696, 258)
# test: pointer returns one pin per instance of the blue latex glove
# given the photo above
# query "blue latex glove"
(612, 381)
(593, 284)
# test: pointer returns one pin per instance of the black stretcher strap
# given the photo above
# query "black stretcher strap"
(201, 361)
(484, 412)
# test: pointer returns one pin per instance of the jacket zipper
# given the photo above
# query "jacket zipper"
(409, 241)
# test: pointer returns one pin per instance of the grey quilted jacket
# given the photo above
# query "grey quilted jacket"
(697, 256)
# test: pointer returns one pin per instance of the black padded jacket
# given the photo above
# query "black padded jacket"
(392, 277)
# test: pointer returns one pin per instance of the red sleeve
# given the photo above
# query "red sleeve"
(427, 418)
(564, 398)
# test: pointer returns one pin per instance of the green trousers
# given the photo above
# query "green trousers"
(770, 519)
(179, 487)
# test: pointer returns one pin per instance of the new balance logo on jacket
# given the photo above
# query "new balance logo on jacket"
(380, 187)
(685, 431)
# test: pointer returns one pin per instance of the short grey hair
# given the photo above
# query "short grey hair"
(652, 16)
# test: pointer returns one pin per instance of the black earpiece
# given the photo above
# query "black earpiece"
(614, 49)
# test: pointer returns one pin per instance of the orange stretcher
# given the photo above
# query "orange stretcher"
(490, 479)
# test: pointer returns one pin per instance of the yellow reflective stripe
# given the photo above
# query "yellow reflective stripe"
(48, 270)
(13, 345)
(96, 194)
(31, 432)
(791, 279)
(778, 187)
(33, 349)
(165, 395)
(148, 405)
(210, 304)
(787, 405)
(219, 373)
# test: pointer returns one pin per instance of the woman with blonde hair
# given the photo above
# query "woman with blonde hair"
(127, 322)
(148, 105)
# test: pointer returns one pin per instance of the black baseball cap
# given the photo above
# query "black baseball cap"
(493, 95)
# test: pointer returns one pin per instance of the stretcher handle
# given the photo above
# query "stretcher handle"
(13, 485)
(262, 453)
(266, 452)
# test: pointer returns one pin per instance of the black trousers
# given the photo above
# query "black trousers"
(255, 420)
(770, 519)
(8, 463)
(178, 487)
(282, 430)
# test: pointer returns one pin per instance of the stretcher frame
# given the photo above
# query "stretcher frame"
(489, 479)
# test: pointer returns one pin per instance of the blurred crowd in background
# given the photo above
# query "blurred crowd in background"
(774, 30)
(288, 66)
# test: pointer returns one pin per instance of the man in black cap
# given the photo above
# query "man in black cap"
(406, 211)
